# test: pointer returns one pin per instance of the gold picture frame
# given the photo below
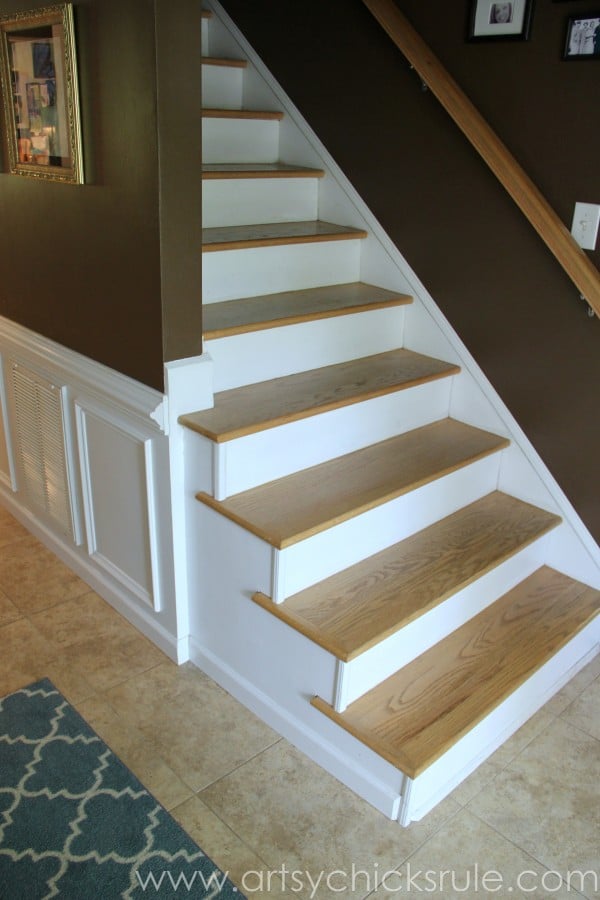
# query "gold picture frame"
(38, 75)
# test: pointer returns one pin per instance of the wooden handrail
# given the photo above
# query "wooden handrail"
(511, 175)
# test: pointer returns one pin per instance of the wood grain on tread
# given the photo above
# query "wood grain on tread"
(353, 610)
(256, 407)
(266, 114)
(292, 509)
(289, 308)
(417, 714)
(275, 234)
(213, 171)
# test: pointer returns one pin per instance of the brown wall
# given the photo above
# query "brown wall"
(82, 264)
(486, 268)
(179, 72)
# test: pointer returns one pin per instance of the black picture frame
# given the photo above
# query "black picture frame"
(490, 20)
(582, 37)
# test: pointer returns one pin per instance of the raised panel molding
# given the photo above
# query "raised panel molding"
(118, 482)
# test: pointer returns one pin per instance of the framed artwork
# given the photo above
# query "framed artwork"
(38, 73)
(582, 40)
(490, 20)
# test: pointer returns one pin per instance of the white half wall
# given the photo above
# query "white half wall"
(115, 448)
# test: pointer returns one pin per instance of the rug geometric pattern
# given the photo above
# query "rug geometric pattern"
(76, 823)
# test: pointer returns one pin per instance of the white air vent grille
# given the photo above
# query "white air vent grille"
(40, 440)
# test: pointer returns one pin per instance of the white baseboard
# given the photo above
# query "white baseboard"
(329, 756)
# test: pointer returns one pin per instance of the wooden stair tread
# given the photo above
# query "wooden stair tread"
(258, 170)
(417, 714)
(274, 234)
(293, 508)
(353, 610)
(269, 311)
(266, 114)
(207, 14)
(222, 61)
(256, 407)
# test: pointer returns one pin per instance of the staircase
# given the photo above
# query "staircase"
(372, 576)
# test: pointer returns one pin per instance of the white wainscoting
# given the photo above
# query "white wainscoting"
(116, 452)
(7, 478)
(120, 510)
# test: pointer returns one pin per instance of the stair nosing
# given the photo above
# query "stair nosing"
(208, 112)
(224, 62)
(286, 417)
(240, 174)
(407, 762)
(395, 757)
(344, 652)
(323, 523)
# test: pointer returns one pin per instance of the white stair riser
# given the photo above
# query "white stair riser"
(240, 140)
(227, 626)
(276, 452)
(232, 274)
(262, 355)
(479, 743)
(269, 667)
(311, 560)
(570, 558)
(228, 638)
(517, 477)
(248, 201)
(366, 671)
(342, 756)
(199, 461)
(204, 37)
(222, 86)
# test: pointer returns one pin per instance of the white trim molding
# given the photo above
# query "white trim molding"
(147, 590)
(76, 370)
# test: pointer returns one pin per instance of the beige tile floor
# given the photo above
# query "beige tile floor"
(265, 813)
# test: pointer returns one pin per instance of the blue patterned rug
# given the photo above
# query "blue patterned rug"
(76, 823)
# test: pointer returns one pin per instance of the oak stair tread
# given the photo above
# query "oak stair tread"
(258, 170)
(267, 404)
(275, 234)
(292, 307)
(412, 718)
(220, 113)
(224, 61)
(298, 506)
(352, 611)
(206, 14)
